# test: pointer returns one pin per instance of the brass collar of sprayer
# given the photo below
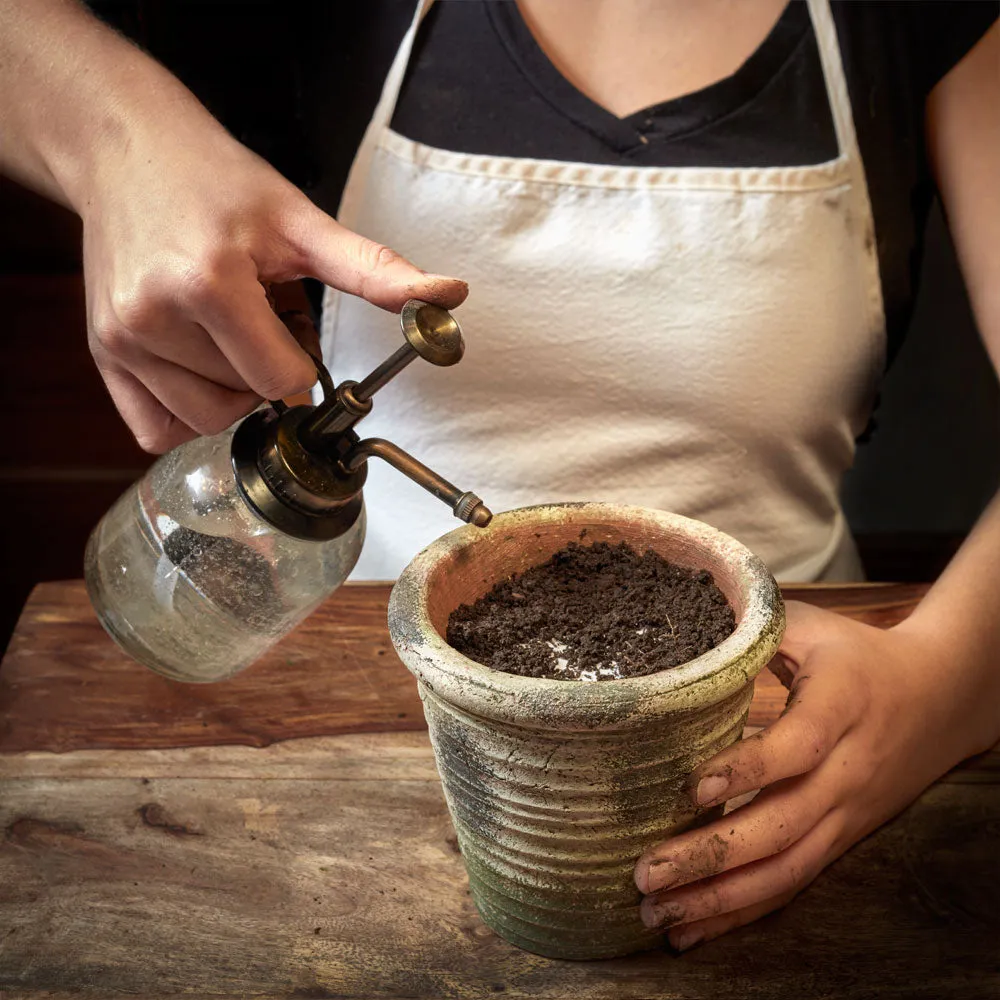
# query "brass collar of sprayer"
(302, 468)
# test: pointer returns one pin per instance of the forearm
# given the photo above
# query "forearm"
(960, 619)
(72, 92)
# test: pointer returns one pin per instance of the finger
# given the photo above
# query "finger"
(784, 669)
(752, 884)
(302, 328)
(799, 636)
(817, 715)
(232, 306)
(190, 346)
(804, 625)
(155, 428)
(775, 820)
(684, 936)
(201, 405)
(360, 266)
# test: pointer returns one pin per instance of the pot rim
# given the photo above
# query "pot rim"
(606, 704)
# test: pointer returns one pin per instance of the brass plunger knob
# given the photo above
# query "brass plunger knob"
(432, 333)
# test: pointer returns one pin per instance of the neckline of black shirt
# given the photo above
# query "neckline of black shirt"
(478, 82)
(667, 121)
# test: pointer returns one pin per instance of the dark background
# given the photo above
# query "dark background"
(284, 79)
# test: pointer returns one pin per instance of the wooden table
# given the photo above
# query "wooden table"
(283, 834)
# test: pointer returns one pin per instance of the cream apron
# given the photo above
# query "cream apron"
(705, 341)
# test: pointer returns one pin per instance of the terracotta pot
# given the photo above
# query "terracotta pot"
(556, 787)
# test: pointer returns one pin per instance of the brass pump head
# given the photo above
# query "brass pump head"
(302, 468)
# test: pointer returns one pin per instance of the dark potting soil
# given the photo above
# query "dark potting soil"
(594, 612)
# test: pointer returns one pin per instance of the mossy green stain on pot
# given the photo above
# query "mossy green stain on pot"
(556, 787)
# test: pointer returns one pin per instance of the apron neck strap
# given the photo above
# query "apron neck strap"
(394, 81)
(353, 193)
(833, 74)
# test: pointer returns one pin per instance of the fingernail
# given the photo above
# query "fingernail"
(647, 912)
(686, 938)
(661, 874)
(445, 277)
(659, 914)
(711, 789)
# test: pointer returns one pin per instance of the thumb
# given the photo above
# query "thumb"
(801, 622)
(351, 263)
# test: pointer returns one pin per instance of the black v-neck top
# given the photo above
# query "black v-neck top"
(478, 82)
(523, 106)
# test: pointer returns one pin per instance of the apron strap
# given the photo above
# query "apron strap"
(833, 74)
(354, 188)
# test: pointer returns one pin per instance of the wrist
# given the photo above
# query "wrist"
(116, 133)
(958, 679)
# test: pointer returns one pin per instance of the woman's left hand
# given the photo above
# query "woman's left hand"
(873, 717)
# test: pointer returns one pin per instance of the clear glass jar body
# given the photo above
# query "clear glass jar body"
(191, 582)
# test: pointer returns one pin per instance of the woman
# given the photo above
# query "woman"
(688, 306)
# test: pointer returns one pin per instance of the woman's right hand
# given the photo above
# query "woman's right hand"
(179, 233)
(181, 225)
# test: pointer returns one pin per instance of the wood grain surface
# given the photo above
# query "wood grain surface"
(64, 685)
(324, 866)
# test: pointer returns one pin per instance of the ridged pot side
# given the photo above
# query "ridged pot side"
(556, 787)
